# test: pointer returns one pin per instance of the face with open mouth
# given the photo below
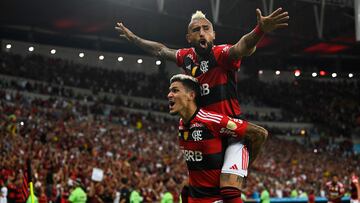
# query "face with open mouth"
(201, 35)
(178, 98)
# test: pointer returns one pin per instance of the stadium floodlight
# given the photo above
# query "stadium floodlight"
(81, 55)
(120, 58)
(334, 75)
(261, 72)
(8, 46)
(158, 62)
(31, 49)
(314, 74)
(351, 75)
(139, 61)
(297, 73)
(277, 72)
(53, 51)
(101, 57)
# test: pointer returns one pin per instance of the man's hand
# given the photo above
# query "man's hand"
(124, 32)
(277, 19)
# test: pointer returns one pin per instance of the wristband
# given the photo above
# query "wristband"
(258, 31)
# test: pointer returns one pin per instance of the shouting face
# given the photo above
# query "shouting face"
(179, 98)
(201, 35)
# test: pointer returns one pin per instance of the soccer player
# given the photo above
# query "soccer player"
(334, 190)
(215, 67)
(354, 188)
(201, 134)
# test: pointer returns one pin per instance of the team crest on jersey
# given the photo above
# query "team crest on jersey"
(204, 66)
(197, 135)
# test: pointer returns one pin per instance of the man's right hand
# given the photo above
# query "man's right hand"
(124, 32)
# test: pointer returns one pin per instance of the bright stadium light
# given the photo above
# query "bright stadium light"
(261, 72)
(31, 49)
(8, 46)
(81, 55)
(351, 75)
(120, 58)
(139, 61)
(334, 75)
(314, 74)
(53, 51)
(101, 57)
(297, 73)
(277, 72)
(158, 62)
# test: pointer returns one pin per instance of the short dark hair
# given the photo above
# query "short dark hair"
(190, 83)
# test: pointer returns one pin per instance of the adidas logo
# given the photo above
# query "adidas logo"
(234, 167)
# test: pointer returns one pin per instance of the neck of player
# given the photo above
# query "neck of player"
(188, 112)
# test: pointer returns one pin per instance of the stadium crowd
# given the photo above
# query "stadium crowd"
(66, 137)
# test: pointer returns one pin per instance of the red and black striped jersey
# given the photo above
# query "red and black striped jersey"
(203, 148)
(335, 191)
(216, 74)
(353, 190)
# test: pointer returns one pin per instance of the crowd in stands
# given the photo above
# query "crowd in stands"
(66, 137)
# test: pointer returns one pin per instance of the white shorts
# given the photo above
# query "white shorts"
(354, 201)
(236, 160)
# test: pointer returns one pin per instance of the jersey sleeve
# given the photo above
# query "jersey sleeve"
(180, 55)
(223, 125)
(232, 127)
(224, 60)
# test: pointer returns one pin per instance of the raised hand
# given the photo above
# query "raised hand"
(124, 32)
(277, 19)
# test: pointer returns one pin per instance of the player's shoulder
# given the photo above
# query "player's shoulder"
(208, 116)
(185, 51)
(221, 47)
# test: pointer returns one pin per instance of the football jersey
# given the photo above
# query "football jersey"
(334, 190)
(216, 74)
(203, 148)
(353, 190)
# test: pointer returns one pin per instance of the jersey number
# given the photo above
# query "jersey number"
(205, 90)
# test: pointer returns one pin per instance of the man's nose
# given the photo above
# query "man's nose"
(202, 32)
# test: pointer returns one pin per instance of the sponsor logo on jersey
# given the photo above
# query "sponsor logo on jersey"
(227, 132)
(190, 56)
(190, 155)
(196, 125)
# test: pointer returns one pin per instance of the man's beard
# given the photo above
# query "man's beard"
(202, 51)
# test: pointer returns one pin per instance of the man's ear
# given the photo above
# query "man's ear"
(192, 96)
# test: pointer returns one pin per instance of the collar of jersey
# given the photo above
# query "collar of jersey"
(192, 117)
